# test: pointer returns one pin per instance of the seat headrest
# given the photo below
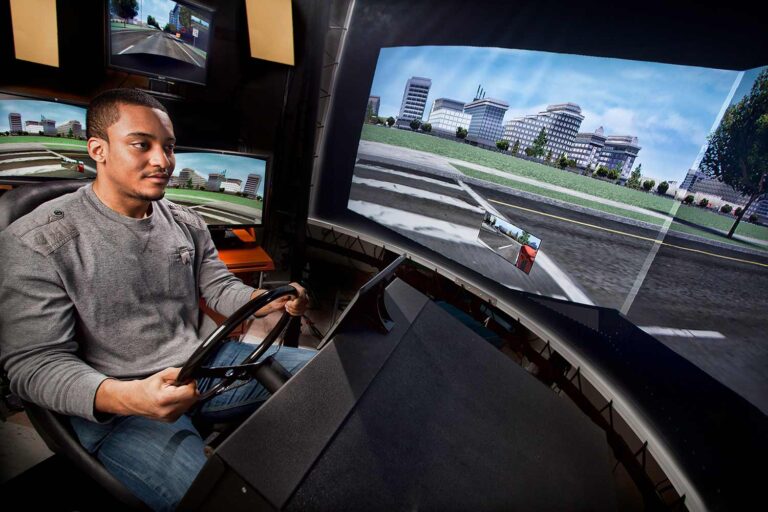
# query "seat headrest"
(20, 201)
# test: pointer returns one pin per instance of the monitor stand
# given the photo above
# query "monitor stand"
(163, 89)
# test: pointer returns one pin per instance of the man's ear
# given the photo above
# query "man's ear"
(97, 149)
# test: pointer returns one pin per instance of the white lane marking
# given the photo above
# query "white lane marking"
(204, 209)
(181, 45)
(545, 262)
(122, 52)
(415, 192)
(226, 220)
(480, 200)
(565, 283)
(428, 226)
(505, 246)
(411, 176)
(682, 333)
(483, 244)
(38, 153)
(24, 171)
(28, 159)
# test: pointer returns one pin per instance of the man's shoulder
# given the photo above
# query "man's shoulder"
(49, 226)
(185, 215)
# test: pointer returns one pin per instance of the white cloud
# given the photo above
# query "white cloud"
(640, 73)
(615, 121)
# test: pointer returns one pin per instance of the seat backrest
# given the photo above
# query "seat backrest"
(52, 427)
(20, 201)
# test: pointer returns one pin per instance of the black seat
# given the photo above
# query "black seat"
(53, 427)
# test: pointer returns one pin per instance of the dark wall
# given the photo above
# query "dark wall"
(730, 35)
(240, 105)
(248, 104)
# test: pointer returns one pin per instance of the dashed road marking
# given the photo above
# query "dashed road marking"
(415, 192)
(410, 176)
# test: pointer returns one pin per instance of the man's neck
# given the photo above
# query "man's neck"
(134, 208)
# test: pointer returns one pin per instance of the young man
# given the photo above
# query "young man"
(99, 290)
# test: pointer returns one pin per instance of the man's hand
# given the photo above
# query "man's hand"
(155, 397)
(297, 305)
(293, 304)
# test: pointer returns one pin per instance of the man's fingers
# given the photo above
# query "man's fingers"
(169, 373)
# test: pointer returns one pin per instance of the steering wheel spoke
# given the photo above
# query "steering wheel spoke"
(248, 368)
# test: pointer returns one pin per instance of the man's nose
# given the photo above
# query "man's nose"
(159, 158)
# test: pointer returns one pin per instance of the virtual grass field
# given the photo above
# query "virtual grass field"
(702, 219)
(517, 166)
(58, 141)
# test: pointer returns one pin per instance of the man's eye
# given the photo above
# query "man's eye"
(170, 148)
(140, 145)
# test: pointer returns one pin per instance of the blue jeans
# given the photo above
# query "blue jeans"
(158, 461)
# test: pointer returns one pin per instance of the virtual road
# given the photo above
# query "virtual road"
(33, 159)
(705, 302)
(216, 212)
(154, 42)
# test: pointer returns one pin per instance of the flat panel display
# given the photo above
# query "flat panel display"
(227, 189)
(42, 139)
(160, 38)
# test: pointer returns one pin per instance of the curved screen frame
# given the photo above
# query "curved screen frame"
(168, 78)
(266, 199)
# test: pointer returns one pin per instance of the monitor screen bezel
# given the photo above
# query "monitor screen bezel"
(266, 199)
(24, 179)
(167, 78)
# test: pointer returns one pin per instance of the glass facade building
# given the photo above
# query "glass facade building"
(587, 147)
(447, 115)
(560, 122)
(414, 100)
(619, 152)
(373, 104)
(487, 115)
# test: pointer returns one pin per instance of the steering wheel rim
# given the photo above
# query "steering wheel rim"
(214, 341)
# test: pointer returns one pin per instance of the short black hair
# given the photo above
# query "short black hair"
(103, 110)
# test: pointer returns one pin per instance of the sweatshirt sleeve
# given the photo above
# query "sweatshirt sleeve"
(222, 291)
(38, 345)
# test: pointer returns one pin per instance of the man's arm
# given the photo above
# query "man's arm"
(155, 397)
(38, 347)
(225, 293)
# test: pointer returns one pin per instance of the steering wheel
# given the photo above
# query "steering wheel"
(267, 372)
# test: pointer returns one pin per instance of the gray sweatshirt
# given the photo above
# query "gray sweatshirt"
(87, 293)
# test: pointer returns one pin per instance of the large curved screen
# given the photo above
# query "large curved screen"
(601, 181)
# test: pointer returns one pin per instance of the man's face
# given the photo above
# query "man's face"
(138, 159)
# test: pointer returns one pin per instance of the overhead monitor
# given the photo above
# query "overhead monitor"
(161, 39)
(42, 139)
(227, 189)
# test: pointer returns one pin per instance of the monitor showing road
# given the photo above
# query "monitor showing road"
(43, 139)
(227, 189)
(168, 40)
